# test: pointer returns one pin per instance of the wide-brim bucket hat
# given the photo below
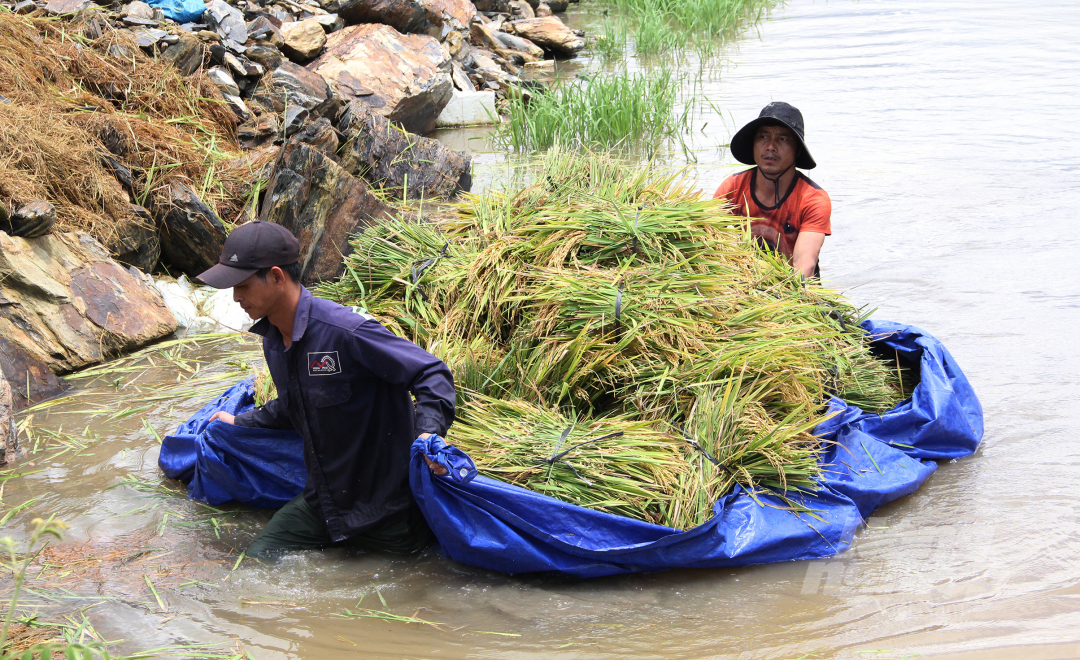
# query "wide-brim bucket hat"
(777, 113)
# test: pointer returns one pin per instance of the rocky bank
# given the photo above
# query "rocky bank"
(328, 103)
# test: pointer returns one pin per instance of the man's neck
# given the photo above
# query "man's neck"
(766, 191)
(283, 315)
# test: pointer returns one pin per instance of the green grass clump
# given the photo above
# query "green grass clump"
(619, 342)
(666, 26)
(600, 112)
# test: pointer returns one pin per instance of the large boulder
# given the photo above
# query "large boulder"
(399, 162)
(421, 16)
(190, 233)
(321, 204)
(66, 304)
(292, 85)
(549, 33)
(405, 78)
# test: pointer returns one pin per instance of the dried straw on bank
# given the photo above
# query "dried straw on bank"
(602, 300)
(74, 99)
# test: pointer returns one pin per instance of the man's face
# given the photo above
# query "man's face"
(257, 295)
(775, 148)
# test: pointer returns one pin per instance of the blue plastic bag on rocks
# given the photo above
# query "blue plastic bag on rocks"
(181, 11)
(874, 459)
(223, 463)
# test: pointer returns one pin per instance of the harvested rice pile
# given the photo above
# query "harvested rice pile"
(618, 342)
(79, 94)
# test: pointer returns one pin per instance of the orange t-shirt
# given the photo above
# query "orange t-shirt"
(805, 207)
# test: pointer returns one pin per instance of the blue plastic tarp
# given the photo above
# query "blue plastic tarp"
(181, 11)
(223, 463)
(874, 459)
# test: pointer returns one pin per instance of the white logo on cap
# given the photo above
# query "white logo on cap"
(233, 258)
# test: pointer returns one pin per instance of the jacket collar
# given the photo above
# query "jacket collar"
(300, 322)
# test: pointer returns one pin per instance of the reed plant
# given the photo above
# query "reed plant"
(669, 26)
(619, 342)
(601, 111)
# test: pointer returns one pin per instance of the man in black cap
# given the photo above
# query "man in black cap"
(346, 385)
(791, 214)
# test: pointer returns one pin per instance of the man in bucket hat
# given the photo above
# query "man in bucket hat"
(346, 385)
(791, 213)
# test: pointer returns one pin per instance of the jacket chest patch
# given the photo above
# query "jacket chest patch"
(323, 363)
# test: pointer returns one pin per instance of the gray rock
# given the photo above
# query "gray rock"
(190, 232)
(262, 127)
(397, 161)
(263, 29)
(234, 47)
(68, 6)
(24, 7)
(234, 63)
(292, 85)
(137, 9)
(120, 52)
(9, 437)
(557, 6)
(186, 54)
(32, 220)
(268, 56)
(254, 69)
(321, 135)
(330, 22)
(461, 79)
(5, 100)
(226, 20)
(147, 39)
(403, 15)
(238, 106)
(139, 22)
(500, 6)
(295, 118)
(136, 243)
(224, 81)
(322, 204)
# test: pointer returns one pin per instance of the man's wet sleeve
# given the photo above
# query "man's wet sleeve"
(271, 415)
(402, 362)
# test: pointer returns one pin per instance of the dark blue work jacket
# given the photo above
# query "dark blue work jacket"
(344, 384)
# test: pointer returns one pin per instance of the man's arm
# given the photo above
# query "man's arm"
(807, 248)
(402, 362)
(271, 415)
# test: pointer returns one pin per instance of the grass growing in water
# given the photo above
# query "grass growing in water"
(604, 111)
(666, 26)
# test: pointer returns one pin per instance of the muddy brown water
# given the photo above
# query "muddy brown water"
(947, 136)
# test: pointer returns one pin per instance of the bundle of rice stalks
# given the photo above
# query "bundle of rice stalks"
(602, 299)
(81, 94)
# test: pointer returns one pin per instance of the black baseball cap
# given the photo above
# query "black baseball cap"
(777, 113)
(249, 248)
